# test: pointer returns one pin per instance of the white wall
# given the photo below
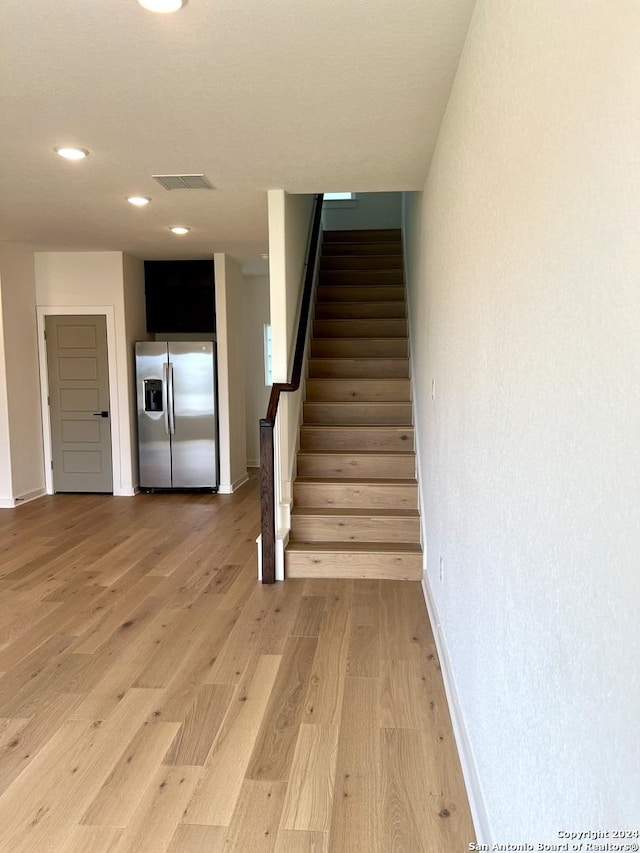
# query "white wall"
(6, 484)
(88, 282)
(21, 459)
(256, 315)
(368, 210)
(524, 259)
(289, 226)
(135, 330)
(231, 377)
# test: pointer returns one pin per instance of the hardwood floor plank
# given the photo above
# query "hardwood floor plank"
(158, 814)
(398, 630)
(273, 752)
(9, 728)
(130, 616)
(242, 587)
(223, 580)
(25, 618)
(195, 668)
(310, 616)
(415, 818)
(245, 637)
(170, 647)
(254, 825)
(193, 741)
(309, 796)
(363, 657)
(19, 677)
(19, 751)
(356, 817)
(189, 838)
(143, 634)
(280, 618)
(323, 702)
(97, 839)
(296, 841)
(212, 802)
(404, 699)
(57, 786)
(117, 799)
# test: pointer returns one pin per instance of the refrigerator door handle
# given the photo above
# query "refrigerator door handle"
(165, 396)
(172, 417)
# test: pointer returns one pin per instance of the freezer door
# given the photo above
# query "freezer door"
(193, 414)
(154, 445)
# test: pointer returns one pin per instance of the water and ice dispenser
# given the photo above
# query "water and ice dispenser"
(153, 395)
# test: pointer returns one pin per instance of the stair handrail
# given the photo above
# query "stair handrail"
(267, 424)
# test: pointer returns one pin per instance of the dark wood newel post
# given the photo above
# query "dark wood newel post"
(267, 501)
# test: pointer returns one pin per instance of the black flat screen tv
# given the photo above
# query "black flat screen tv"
(180, 296)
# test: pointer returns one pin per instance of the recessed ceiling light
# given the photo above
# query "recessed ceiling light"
(180, 229)
(162, 6)
(70, 153)
(138, 200)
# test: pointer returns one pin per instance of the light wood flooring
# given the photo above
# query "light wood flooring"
(154, 697)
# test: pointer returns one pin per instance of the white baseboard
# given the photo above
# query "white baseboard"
(33, 495)
(12, 503)
(240, 481)
(259, 547)
(230, 488)
(469, 771)
(280, 546)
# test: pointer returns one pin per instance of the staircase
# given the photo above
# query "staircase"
(356, 496)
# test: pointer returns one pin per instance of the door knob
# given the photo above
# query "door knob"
(101, 414)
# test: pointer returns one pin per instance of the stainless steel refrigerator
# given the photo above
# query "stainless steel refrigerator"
(177, 414)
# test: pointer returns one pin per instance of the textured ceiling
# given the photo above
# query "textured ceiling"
(307, 96)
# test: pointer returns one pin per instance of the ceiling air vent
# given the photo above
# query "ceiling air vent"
(183, 182)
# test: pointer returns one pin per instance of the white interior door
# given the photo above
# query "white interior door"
(78, 376)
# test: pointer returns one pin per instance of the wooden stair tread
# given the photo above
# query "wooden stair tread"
(355, 513)
(352, 481)
(353, 248)
(357, 547)
(368, 425)
(385, 403)
(360, 359)
(351, 304)
(355, 427)
(360, 340)
(340, 262)
(368, 453)
(373, 310)
(359, 235)
(338, 293)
